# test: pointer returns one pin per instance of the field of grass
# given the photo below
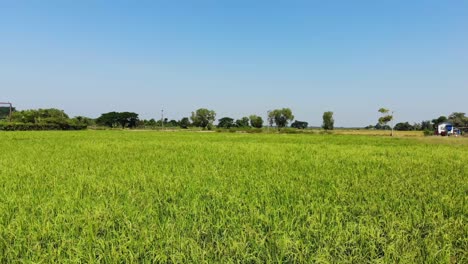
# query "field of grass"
(181, 197)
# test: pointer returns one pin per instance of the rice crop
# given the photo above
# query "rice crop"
(188, 197)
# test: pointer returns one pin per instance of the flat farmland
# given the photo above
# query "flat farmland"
(188, 197)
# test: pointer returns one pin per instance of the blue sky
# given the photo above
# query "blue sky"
(237, 57)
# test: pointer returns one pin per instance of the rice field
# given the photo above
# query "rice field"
(188, 197)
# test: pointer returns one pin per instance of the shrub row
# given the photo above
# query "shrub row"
(40, 126)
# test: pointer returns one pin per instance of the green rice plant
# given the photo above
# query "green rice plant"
(190, 197)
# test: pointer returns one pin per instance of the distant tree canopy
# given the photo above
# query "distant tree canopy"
(184, 123)
(385, 118)
(458, 119)
(379, 126)
(404, 126)
(243, 122)
(328, 121)
(299, 124)
(122, 119)
(46, 119)
(256, 121)
(172, 123)
(437, 121)
(225, 122)
(280, 117)
(39, 115)
(426, 125)
(5, 111)
(203, 118)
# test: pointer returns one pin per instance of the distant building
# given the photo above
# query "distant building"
(447, 129)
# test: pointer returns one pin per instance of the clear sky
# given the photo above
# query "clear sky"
(237, 57)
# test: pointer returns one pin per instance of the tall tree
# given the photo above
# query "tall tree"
(328, 121)
(184, 123)
(256, 121)
(203, 118)
(438, 120)
(458, 119)
(123, 119)
(226, 122)
(281, 117)
(385, 118)
(243, 122)
(426, 125)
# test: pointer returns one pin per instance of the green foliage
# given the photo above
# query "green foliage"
(15, 126)
(404, 126)
(428, 132)
(243, 122)
(426, 125)
(122, 119)
(45, 119)
(385, 118)
(299, 124)
(171, 123)
(379, 126)
(437, 121)
(83, 120)
(121, 197)
(328, 121)
(225, 122)
(280, 117)
(256, 121)
(38, 116)
(184, 123)
(5, 111)
(458, 119)
(384, 110)
(203, 118)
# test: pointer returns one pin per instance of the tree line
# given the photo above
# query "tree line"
(205, 118)
(56, 119)
(42, 119)
(458, 119)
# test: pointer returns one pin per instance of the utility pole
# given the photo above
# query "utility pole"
(392, 122)
(268, 120)
(162, 119)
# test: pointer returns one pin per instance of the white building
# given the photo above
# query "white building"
(446, 129)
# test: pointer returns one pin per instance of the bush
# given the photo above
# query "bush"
(428, 132)
(41, 126)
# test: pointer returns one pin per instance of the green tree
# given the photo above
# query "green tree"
(203, 118)
(184, 123)
(172, 123)
(243, 122)
(225, 122)
(437, 121)
(256, 121)
(82, 120)
(50, 115)
(404, 126)
(385, 118)
(5, 111)
(123, 119)
(151, 122)
(280, 117)
(458, 119)
(328, 121)
(426, 125)
(127, 119)
(299, 124)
